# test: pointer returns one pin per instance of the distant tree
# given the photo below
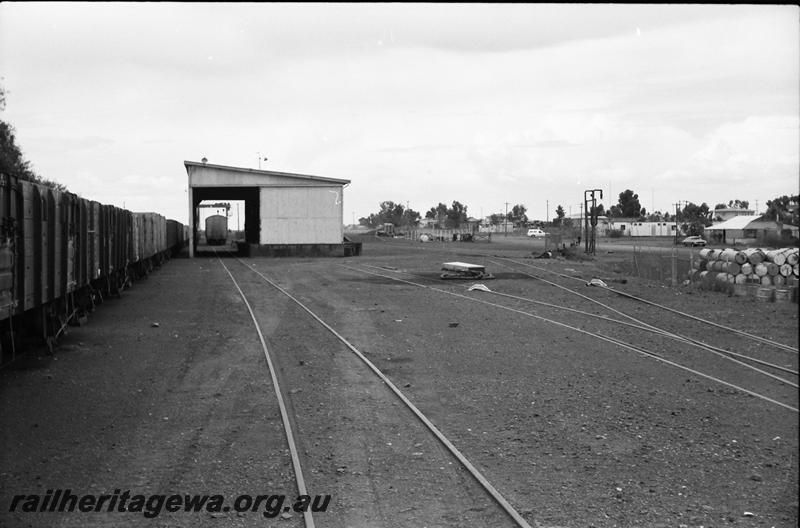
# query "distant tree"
(599, 210)
(517, 215)
(657, 216)
(784, 209)
(720, 206)
(695, 218)
(496, 219)
(456, 215)
(628, 205)
(559, 219)
(411, 218)
(738, 204)
(439, 214)
(391, 213)
(11, 158)
(12, 161)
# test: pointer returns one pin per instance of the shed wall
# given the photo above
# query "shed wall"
(301, 215)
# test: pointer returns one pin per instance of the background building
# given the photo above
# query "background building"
(744, 229)
(726, 213)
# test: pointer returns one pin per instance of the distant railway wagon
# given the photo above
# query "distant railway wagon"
(216, 230)
(60, 254)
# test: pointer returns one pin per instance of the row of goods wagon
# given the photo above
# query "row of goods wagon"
(60, 254)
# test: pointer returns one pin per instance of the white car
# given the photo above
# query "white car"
(534, 233)
(694, 241)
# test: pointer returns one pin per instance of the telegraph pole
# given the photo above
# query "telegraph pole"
(505, 223)
(677, 205)
(547, 215)
(591, 218)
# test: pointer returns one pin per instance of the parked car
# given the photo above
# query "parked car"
(534, 232)
(694, 241)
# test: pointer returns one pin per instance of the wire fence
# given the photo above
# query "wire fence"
(663, 265)
(447, 235)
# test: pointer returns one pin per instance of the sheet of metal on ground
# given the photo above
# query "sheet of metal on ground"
(464, 270)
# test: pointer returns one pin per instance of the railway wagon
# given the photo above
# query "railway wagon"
(176, 235)
(60, 254)
(216, 230)
(149, 242)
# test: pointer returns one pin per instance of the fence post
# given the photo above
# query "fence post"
(674, 267)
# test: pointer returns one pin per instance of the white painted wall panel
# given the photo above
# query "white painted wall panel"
(301, 215)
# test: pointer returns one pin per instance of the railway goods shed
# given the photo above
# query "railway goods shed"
(285, 213)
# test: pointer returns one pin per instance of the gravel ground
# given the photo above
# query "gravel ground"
(572, 430)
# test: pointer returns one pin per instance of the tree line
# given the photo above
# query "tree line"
(12, 160)
(692, 217)
(442, 216)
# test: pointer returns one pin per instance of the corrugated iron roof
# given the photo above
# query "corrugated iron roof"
(188, 164)
(740, 222)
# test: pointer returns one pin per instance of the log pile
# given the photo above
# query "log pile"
(767, 275)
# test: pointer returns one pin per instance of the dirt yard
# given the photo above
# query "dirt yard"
(166, 391)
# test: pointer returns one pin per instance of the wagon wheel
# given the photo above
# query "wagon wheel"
(50, 325)
(97, 298)
(50, 343)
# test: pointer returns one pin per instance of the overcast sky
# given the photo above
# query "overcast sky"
(418, 103)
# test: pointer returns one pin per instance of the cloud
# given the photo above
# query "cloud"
(77, 143)
(426, 103)
(751, 150)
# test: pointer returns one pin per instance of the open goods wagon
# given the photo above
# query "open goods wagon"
(60, 254)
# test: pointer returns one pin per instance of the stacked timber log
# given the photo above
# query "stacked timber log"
(767, 275)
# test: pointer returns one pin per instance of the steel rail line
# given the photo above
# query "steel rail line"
(676, 337)
(646, 326)
(586, 332)
(646, 301)
(672, 335)
(298, 471)
(424, 419)
(641, 325)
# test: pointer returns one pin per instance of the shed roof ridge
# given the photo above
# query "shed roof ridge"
(188, 164)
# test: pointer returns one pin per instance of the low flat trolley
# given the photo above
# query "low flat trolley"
(464, 270)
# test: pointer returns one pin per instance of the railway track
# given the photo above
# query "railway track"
(636, 410)
(732, 370)
(694, 330)
(780, 351)
(322, 346)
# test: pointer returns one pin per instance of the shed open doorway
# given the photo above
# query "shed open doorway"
(243, 215)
